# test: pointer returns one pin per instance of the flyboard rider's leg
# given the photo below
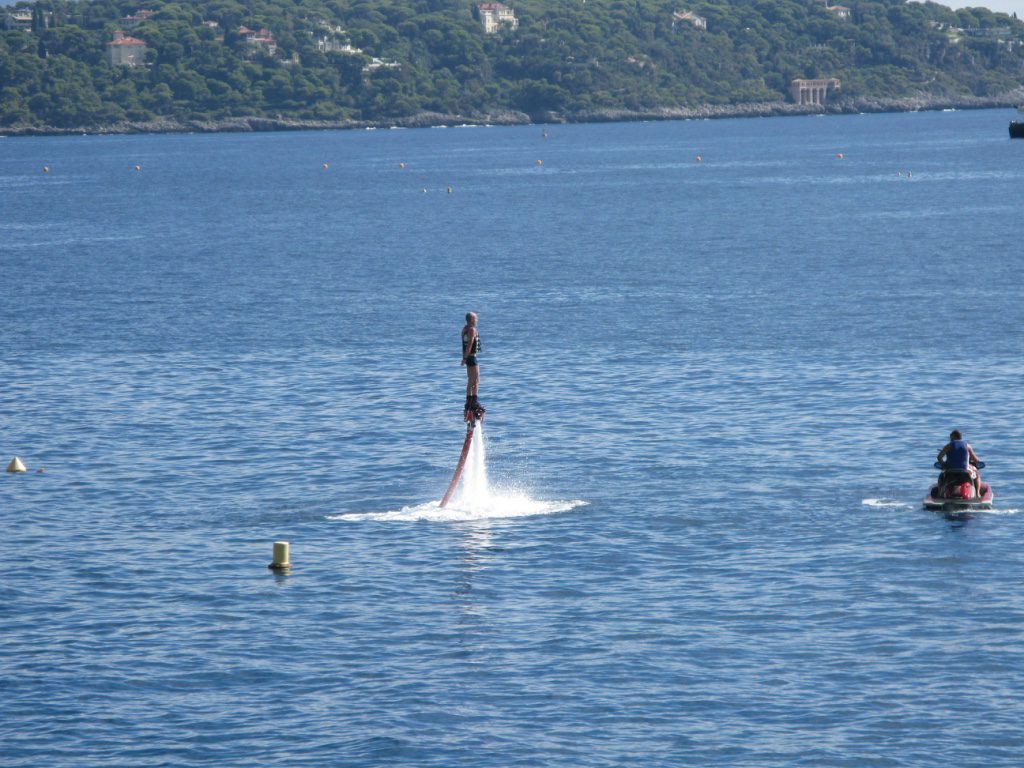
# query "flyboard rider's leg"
(474, 410)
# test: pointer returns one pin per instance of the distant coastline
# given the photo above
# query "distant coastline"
(433, 119)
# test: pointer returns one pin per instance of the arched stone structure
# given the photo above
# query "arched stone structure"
(813, 92)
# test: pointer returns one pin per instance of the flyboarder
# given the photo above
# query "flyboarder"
(474, 411)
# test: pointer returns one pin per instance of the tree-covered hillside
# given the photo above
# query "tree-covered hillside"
(371, 60)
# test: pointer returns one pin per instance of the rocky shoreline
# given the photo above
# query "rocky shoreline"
(843, 105)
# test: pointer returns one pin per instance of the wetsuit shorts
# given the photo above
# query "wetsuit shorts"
(471, 361)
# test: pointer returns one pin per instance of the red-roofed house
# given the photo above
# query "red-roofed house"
(127, 51)
(261, 41)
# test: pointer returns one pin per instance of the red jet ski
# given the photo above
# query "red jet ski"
(954, 492)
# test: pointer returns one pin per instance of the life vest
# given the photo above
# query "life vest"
(958, 456)
(465, 343)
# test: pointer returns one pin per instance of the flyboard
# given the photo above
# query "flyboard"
(474, 414)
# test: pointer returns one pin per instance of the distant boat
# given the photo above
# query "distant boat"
(1016, 129)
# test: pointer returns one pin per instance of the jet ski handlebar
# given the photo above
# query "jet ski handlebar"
(939, 465)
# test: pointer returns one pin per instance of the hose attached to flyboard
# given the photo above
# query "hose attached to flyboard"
(460, 466)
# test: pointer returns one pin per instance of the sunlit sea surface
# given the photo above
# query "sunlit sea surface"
(718, 360)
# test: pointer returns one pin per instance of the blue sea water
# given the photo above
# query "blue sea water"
(715, 389)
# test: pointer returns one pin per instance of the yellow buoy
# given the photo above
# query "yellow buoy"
(16, 465)
(281, 561)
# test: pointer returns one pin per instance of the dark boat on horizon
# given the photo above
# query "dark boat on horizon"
(1016, 129)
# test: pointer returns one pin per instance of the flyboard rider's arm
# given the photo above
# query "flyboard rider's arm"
(470, 342)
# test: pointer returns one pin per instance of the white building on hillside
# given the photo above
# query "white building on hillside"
(133, 20)
(19, 19)
(495, 15)
(690, 17)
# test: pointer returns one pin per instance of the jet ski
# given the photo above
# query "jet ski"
(954, 492)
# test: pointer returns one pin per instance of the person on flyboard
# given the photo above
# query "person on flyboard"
(474, 410)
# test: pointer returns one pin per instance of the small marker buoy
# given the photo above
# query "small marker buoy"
(281, 562)
(699, 159)
(40, 471)
(326, 166)
(540, 162)
(899, 173)
(16, 465)
(46, 169)
(910, 174)
(449, 190)
(839, 155)
(401, 165)
(138, 167)
(424, 190)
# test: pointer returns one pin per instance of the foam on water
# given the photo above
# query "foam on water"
(500, 506)
(475, 499)
(893, 504)
(886, 504)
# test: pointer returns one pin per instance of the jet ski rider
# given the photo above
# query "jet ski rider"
(959, 454)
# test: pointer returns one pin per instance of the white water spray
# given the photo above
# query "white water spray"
(476, 491)
(475, 499)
